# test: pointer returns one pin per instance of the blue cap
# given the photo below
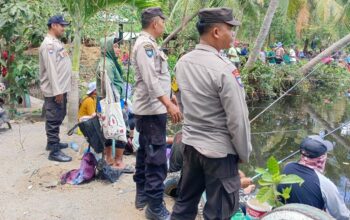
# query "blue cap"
(314, 146)
(57, 19)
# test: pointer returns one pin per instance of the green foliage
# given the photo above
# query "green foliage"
(326, 82)
(24, 73)
(269, 81)
(172, 59)
(16, 30)
(131, 74)
(272, 166)
(269, 181)
(83, 10)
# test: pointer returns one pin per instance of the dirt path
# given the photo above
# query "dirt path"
(29, 186)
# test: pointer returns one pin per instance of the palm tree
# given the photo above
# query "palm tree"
(81, 11)
(264, 30)
(184, 11)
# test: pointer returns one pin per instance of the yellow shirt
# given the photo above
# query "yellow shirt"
(87, 107)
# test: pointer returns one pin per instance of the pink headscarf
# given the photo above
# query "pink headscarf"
(318, 163)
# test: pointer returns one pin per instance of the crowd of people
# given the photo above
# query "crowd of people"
(278, 54)
(216, 136)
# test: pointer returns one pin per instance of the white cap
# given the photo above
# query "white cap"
(91, 88)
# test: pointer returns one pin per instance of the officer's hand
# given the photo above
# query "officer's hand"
(59, 98)
(174, 100)
(175, 113)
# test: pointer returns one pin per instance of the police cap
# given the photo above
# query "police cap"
(217, 15)
(57, 19)
(152, 12)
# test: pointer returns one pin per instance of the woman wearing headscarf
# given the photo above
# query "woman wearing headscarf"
(109, 62)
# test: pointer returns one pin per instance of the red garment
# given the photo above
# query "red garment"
(5, 56)
(125, 57)
(327, 60)
(318, 163)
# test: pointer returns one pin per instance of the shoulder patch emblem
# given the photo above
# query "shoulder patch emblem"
(149, 50)
(237, 75)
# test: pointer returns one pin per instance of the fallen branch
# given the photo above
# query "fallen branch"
(178, 29)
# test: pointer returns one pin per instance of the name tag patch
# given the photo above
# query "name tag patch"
(237, 75)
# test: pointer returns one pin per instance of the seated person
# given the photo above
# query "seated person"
(317, 190)
(87, 107)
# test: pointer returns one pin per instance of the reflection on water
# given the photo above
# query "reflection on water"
(279, 131)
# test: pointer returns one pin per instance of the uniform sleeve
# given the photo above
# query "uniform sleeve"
(145, 59)
(233, 101)
(332, 199)
(49, 57)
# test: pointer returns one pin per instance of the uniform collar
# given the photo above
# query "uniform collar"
(146, 34)
(51, 37)
(206, 48)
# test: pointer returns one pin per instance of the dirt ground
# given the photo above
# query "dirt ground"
(30, 189)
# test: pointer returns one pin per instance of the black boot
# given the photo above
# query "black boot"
(49, 147)
(156, 210)
(63, 145)
(140, 199)
(57, 155)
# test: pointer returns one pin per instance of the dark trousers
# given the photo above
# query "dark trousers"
(217, 176)
(151, 166)
(55, 114)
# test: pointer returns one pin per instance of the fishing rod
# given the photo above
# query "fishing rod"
(298, 151)
(274, 132)
(284, 94)
(289, 90)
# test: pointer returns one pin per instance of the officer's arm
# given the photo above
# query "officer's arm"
(233, 101)
(49, 57)
(145, 58)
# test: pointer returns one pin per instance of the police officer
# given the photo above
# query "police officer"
(55, 82)
(216, 130)
(151, 104)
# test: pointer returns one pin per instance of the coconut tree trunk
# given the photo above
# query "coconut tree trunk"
(73, 97)
(328, 52)
(264, 30)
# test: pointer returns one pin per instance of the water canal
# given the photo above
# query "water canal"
(280, 130)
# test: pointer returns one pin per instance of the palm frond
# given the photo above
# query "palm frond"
(85, 9)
